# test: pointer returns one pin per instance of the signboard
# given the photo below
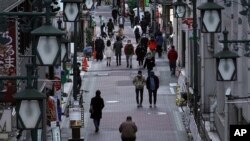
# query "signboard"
(187, 23)
(8, 59)
(75, 117)
(5, 120)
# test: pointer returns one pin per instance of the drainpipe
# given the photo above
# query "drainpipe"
(211, 117)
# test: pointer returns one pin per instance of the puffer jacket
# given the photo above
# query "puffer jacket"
(139, 82)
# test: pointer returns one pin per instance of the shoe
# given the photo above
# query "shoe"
(130, 66)
(138, 105)
(127, 65)
(96, 130)
(154, 105)
(107, 64)
(150, 106)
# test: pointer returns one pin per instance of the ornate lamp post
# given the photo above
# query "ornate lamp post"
(226, 62)
(210, 17)
(179, 9)
(72, 13)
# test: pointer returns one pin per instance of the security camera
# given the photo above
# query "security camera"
(228, 92)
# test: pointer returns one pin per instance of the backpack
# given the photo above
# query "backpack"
(137, 31)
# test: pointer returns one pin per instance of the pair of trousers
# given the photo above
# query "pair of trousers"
(139, 96)
(172, 66)
(96, 123)
(128, 139)
(152, 93)
(129, 60)
(118, 59)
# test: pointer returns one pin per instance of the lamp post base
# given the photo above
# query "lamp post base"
(76, 140)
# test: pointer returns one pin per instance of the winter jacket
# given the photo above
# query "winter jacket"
(110, 26)
(144, 42)
(117, 47)
(172, 55)
(99, 45)
(149, 63)
(156, 80)
(128, 129)
(97, 104)
(140, 53)
(152, 44)
(139, 82)
(129, 49)
(108, 51)
(159, 40)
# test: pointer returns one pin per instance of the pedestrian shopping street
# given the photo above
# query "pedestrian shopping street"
(161, 123)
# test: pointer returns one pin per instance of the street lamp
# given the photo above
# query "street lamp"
(210, 17)
(47, 41)
(71, 10)
(226, 62)
(179, 9)
(29, 109)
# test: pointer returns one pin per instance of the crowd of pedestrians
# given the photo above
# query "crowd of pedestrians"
(146, 47)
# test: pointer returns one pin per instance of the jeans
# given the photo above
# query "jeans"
(139, 93)
(172, 66)
(118, 59)
(129, 60)
(154, 94)
(96, 123)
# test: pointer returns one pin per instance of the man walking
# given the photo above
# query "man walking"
(152, 84)
(137, 31)
(129, 52)
(96, 106)
(172, 57)
(118, 50)
(99, 47)
(139, 83)
(128, 130)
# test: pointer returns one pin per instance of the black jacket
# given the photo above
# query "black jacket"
(118, 47)
(99, 45)
(149, 63)
(156, 80)
(97, 104)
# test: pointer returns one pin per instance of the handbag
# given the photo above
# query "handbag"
(91, 110)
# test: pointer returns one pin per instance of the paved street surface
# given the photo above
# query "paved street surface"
(161, 123)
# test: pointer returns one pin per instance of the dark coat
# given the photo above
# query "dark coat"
(156, 80)
(99, 45)
(149, 63)
(97, 104)
(118, 47)
(144, 42)
(140, 53)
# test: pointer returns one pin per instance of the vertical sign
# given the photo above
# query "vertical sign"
(8, 59)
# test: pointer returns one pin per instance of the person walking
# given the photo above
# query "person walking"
(137, 31)
(118, 50)
(114, 14)
(99, 47)
(152, 84)
(108, 52)
(121, 21)
(139, 82)
(149, 62)
(96, 106)
(172, 57)
(132, 17)
(159, 40)
(144, 25)
(110, 27)
(128, 130)
(140, 53)
(144, 41)
(129, 52)
(152, 44)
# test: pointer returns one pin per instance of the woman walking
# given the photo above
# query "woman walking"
(108, 52)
